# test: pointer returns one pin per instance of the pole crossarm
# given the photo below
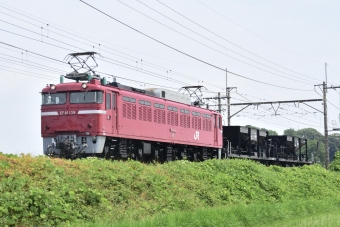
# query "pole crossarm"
(313, 108)
(239, 111)
(331, 87)
(275, 102)
(222, 97)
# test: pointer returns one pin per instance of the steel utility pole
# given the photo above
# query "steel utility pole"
(326, 74)
(325, 117)
(228, 95)
(219, 103)
(219, 97)
(325, 122)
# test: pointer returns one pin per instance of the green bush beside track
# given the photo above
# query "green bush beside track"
(41, 191)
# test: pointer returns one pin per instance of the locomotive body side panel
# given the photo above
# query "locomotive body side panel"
(149, 118)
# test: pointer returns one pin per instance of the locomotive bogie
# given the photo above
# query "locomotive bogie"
(122, 149)
(73, 146)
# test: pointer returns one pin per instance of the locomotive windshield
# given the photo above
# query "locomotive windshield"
(53, 99)
(86, 97)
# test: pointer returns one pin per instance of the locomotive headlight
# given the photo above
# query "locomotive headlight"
(84, 85)
(52, 86)
(94, 139)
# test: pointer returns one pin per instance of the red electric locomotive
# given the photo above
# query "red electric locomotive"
(96, 118)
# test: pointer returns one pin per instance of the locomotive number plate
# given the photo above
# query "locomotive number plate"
(67, 112)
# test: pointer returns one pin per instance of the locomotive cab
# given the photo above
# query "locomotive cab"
(70, 118)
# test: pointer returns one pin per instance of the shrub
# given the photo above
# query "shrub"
(335, 165)
(42, 191)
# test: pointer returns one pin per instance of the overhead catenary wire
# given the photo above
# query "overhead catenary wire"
(114, 50)
(333, 70)
(330, 102)
(280, 115)
(136, 81)
(75, 47)
(272, 123)
(112, 75)
(216, 50)
(259, 90)
(126, 65)
(285, 117)
(229, 40)
(26, 73)
(132, 66)
(188, 55)
(145, 62)
(32, 65)
(257, 34)
(42, 22)
(82, 36)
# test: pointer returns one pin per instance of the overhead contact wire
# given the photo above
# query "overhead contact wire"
(188, 55)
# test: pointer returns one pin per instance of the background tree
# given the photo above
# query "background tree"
(306, 133)
(317, 153)
(335, 165)
(310, 134)
(290, 132)
(334, 145)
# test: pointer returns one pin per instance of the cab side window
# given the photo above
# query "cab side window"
(108, 101)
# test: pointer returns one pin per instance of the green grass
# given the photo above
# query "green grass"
(41, 191)
(297, 213)
(319, 220)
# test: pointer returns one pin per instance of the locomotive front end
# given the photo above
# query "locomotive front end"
(71, 116)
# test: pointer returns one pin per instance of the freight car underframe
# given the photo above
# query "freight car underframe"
(273, 155)
(255, 144)
(72, 146)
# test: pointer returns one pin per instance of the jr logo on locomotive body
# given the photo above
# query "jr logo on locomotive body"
(197, 135)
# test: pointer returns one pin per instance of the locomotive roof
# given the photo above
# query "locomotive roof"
(95, 85)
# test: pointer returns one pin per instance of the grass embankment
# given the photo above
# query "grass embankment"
(42, 191)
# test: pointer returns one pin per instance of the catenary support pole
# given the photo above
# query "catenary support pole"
(326, 74)
(219, 103)
(228, 97)
(325, 123)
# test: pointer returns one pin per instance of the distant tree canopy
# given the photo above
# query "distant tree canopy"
(333, 144)
(317, 152)
(306, 133)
